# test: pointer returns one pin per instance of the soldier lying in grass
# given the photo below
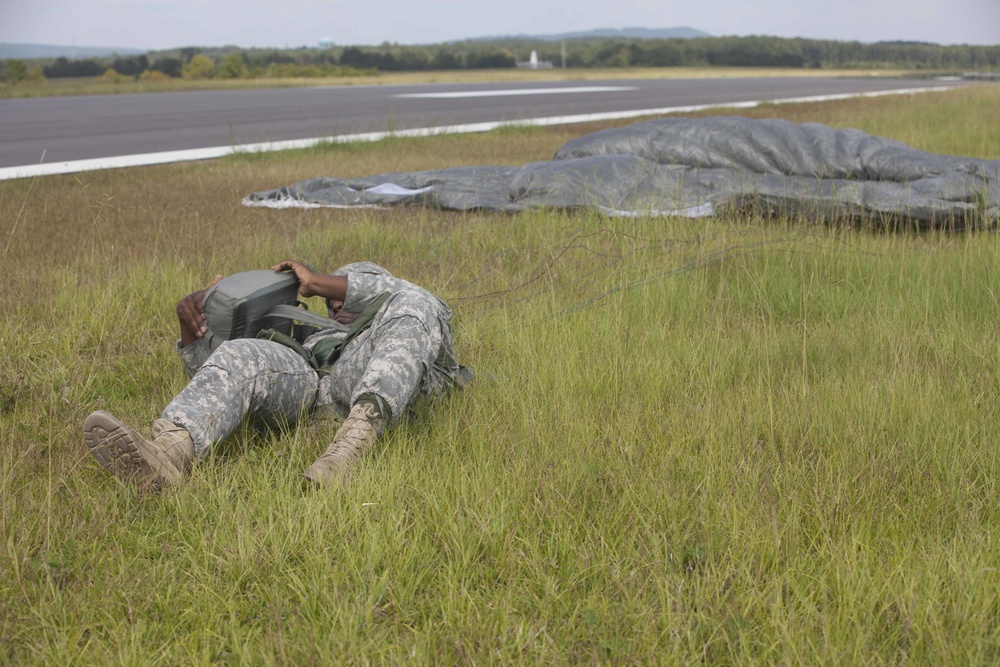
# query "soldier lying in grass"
(405, 352)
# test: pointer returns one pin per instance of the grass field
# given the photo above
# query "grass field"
(93, 86)
(724, 441)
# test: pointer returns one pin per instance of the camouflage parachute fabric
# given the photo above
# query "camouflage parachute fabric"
(697, 167)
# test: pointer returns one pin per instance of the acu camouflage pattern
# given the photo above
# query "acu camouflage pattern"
(407, 351)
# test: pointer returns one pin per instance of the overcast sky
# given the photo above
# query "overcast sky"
(163, 24)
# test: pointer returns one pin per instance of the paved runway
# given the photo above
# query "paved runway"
(76, 128)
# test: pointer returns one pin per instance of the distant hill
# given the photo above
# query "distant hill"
(682, 32)
(28, 51)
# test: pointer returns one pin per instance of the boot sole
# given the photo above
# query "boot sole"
(117, 448)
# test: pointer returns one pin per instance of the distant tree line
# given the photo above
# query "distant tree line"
(129, 66)
(754, 51)
(757, 51)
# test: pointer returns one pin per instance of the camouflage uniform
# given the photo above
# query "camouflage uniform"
(407, 351)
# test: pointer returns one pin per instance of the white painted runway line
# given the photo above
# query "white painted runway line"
(146, 159)
(514, 92)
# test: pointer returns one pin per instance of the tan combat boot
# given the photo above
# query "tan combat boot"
(355, 438)
(150, 464)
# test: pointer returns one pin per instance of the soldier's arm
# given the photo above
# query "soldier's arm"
(311, 283)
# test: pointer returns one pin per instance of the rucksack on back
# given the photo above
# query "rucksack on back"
(241, 305)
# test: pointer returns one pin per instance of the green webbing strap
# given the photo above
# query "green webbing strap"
(326, 352)
(288, 341)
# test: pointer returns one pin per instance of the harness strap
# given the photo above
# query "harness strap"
(326, 352)
(289, 312)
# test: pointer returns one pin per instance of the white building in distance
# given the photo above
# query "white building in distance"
(535, 63)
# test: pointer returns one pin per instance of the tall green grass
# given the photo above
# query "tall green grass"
(728, 441)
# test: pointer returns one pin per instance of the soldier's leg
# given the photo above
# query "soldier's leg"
(245, 377)
(403, 348)
(381, 372)
(391, 361)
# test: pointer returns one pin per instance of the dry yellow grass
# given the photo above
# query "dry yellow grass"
(556, 74)
(95, 87)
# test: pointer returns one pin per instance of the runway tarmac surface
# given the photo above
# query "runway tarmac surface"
(61, 129)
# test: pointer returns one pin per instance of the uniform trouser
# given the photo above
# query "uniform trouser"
(273, 384)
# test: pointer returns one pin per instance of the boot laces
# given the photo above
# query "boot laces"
(357, 434)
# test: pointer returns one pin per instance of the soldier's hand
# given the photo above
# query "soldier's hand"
(191, 315)
(306, 275)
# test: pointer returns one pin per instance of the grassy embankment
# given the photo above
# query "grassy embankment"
(94, 86)
(769, 442)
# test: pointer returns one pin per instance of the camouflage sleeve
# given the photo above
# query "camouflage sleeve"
(363, 288)
(194, 355)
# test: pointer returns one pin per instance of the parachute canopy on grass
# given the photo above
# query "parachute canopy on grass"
(697, 167)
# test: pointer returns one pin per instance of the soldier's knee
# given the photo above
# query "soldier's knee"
(406, 302)
(234, 354)
(239, 345)
(402, 307)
